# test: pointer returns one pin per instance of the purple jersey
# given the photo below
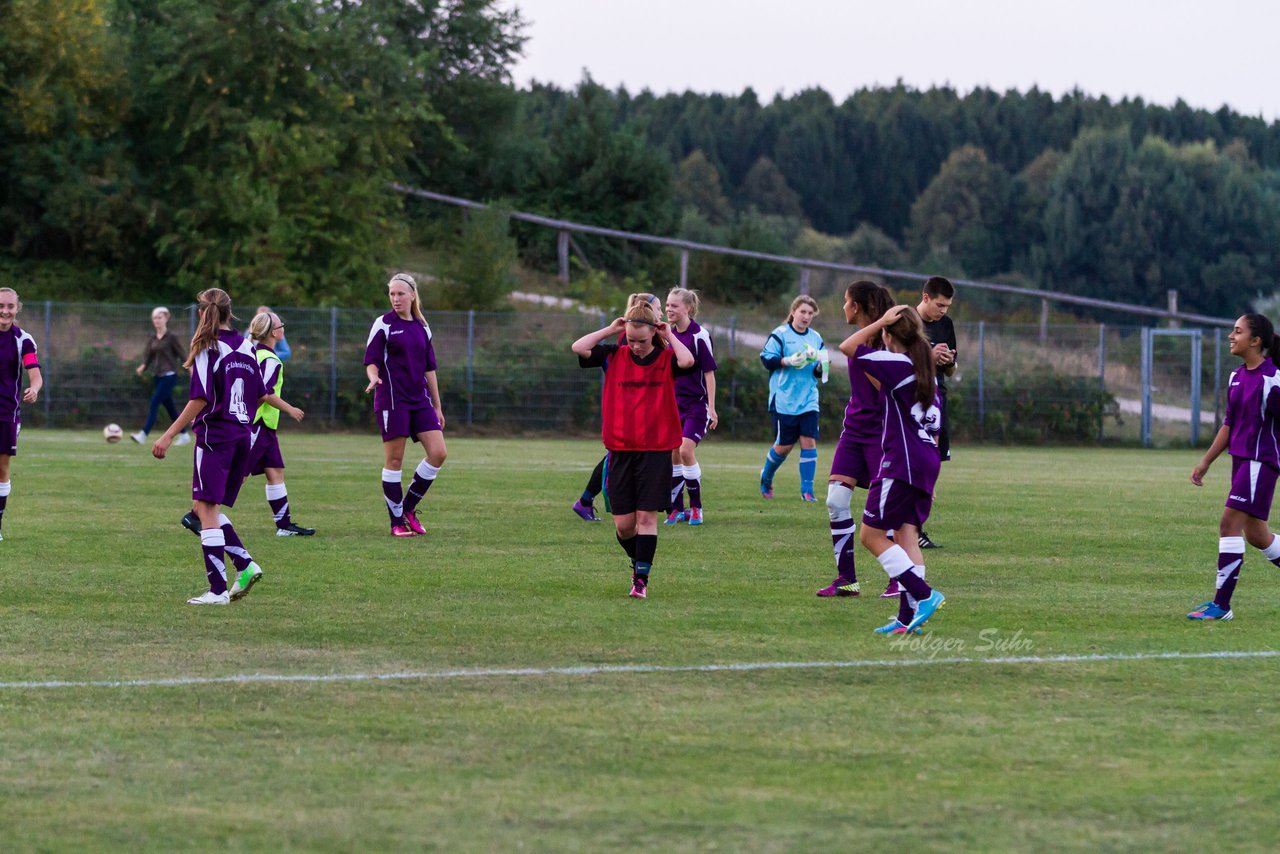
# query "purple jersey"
(691, 389)
(863, 419)
(1252, 410)
(403, 353)
(909, 431)
(227, 378)
(17, 353)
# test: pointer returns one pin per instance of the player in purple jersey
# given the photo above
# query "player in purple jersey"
(17, 353)
(696, 400)
(226, 389)
(1251, 435)
(857, 457)
(901, 492)
(401, 366)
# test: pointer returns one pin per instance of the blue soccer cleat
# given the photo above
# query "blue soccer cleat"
(1210, 611)
(674, 517)
(926, 608)
(894, 627)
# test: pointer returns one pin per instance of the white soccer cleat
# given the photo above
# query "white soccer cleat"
(138, 437)
(183, 439)
(210, 598)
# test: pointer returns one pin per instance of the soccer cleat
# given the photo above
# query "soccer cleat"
(807, 496)
(191, 522)
(292, 530)
(411, 519)
(1, 538)
(184, 438)
(892, 590)
(841, 587)
(138, 437)
(639, 587)
(894, 627)
(695, 516)
(402, 529)
(587, 512)
(210, 598)
(766, 488)
(926, 543)
(674, 517)
(925, 609)
(1210, 611)
(245, 579)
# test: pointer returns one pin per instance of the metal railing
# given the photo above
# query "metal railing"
(566, 228)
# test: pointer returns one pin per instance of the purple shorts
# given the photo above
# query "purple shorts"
(894, 503)
(694, 422)
(1252, 486)
(265, 453)
(857, 460)
(411, 423)
(9, 437)
(219, 470)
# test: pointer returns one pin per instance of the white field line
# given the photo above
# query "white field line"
(607, 669)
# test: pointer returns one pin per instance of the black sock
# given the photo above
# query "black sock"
(595, 483)
(646, 548)
(628, 545)
(915, 585)
(905, 612)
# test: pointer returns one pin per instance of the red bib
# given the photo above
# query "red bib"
(639, 408)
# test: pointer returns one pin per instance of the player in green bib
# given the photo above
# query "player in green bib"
(266, 330)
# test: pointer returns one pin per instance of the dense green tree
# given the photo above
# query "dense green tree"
(697, 185)
(765, 189)
(964, 211)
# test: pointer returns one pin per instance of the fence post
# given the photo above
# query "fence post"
(1146, 387)
(1172, 296)
(46, 371)
(1217, 379)
(333, 365)
(804, 280)
(684, 268)
(733, 335)
(471, 338)
(1197, 347)
(982, 386)
(1044, 322)
(562, 253)
(1102, 366)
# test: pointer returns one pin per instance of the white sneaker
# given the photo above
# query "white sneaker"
(210, 598)
(138, 437)
(183, 439)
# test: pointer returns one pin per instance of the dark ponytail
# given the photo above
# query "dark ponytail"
(908, 330)
(873, 299)
(1260, 327)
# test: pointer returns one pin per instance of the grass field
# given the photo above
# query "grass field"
(938, 745)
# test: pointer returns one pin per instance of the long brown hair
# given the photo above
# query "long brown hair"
(214, 306)
(803, 299)
(873, 299)
(908, 330)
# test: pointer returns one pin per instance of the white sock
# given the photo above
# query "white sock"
(1272, 552)
(895, 560)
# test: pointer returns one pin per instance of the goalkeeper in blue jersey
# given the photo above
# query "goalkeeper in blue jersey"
(795, 358)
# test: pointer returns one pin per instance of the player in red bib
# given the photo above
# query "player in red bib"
(640, 426)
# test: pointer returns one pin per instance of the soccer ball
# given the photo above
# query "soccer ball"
(112, 433)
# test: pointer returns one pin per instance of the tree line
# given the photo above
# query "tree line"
(152, 148)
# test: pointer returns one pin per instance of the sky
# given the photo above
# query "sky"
(1206, 53)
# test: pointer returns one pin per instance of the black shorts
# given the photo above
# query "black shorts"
(944, 435)
(638, 480)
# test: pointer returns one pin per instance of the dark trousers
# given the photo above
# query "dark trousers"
(161, 394)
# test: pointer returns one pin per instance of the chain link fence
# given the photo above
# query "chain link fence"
(511, 373)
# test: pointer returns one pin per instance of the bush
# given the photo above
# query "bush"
(1034, 408)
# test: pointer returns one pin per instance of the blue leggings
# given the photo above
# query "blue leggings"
(162, 393)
